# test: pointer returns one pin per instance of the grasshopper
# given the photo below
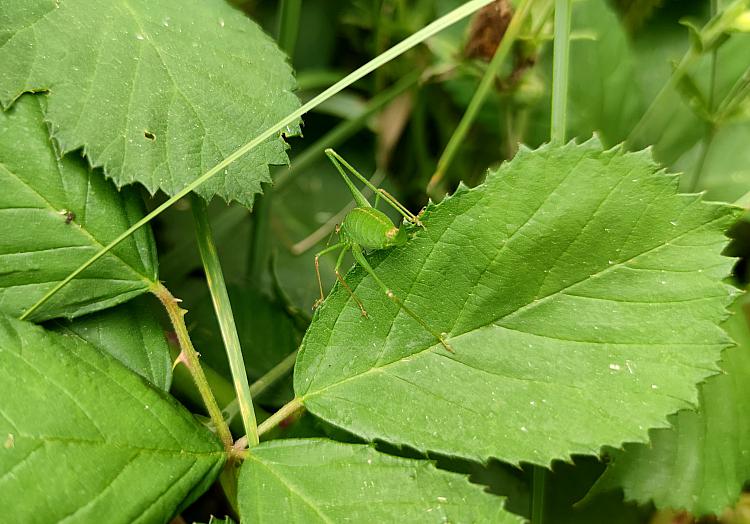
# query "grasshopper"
(367, 229)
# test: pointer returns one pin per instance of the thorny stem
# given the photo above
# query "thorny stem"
(189, 357)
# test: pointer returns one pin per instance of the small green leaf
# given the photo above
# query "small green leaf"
(582, 296)
(131, 333)
(85, 437)
(318, 480)
(156, 92)
(702, 462)
(56, 214)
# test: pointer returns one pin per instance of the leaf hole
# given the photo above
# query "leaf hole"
(149, 135)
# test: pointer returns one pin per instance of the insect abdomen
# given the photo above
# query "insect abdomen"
(369, 228)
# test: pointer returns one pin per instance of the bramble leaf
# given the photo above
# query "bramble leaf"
(156, 92)
(318, 480)
(86, 437)
(131, 333)
(702, 462)
(56, 214)
(580, 292)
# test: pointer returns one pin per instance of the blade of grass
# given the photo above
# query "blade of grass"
(223, 308)
(345, 129)
(403, 46)
(289, 16)
(561, 56)
(485, 85)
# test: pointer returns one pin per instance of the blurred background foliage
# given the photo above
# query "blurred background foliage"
(395, 124)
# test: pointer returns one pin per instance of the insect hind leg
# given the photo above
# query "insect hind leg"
(362, 261)
(343, 282)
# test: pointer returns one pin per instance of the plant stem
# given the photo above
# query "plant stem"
(189, 357)
(477, 101)
(274, 420)
(708, 138)
(223, 308)
(345, 129)
(560, 71)
(538, 480)
(276, 373)
(420, 36)
(289, 16)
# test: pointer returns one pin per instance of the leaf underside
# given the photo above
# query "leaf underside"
(155, 92)
(582, 296)
(317, 480)
(56, 214)
(85, 437)
(701, 464)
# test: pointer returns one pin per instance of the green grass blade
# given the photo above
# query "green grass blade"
(223, 308)
(484, 89)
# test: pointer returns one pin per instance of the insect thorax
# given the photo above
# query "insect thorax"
(371, 229)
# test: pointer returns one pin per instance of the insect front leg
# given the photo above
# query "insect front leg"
(317, 269)
(343, 282)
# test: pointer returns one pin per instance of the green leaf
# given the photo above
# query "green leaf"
(56, 214)
(318, 480)
(582, 297)
(702, 462)
(156, 92)
(132, 334)
(86, 437)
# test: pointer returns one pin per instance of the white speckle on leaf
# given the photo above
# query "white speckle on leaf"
(524, 429)
(139, 36)
(615, 367)
(442, 499)
(221, 22)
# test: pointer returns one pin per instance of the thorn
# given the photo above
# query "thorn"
(181, 358)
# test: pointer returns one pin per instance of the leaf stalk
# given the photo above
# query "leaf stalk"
(190, 357)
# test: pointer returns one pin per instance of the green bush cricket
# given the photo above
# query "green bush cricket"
(367, 229)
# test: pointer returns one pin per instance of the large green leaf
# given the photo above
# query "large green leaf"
(702, 462)
(581, 294)
(87, 439)
(55, 215)
(156, 92)
(131, 333)
(318, 480)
